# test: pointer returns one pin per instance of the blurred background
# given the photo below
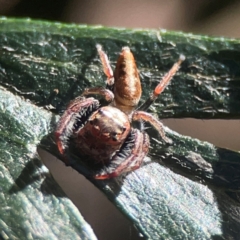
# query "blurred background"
(208, 17)
(214, 17)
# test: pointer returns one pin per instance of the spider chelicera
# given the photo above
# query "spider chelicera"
(104, 133)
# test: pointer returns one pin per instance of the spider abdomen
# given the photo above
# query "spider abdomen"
(127, 86)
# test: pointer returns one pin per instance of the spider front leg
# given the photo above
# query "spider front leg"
(147, 117)
(162, 85)
(129, 157)
(73, 119)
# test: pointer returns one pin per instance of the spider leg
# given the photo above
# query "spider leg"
(147, 117)
(162, 85)
(106, 65)
(129, 157)
(73, 118)
(107, 94)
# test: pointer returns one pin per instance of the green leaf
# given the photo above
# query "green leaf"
(188, 190)
(32, 204)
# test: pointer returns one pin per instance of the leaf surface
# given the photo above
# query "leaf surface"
(188, 190)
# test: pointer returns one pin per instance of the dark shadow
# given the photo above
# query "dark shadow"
(27, 176)
(31, 174)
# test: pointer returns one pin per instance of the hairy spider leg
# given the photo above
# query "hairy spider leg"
(106, 65)
(132, 160)
(66, 124)
(162, 85)
(147, 117)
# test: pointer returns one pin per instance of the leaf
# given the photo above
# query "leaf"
(188, 190)
(32, 204)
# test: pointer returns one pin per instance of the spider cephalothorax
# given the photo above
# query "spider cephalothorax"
(104, 133)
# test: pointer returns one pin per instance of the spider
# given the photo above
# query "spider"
(104, 133)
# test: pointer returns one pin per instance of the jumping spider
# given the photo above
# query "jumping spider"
(105, 133)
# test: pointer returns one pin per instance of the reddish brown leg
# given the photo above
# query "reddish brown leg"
(106, 65)
(131, 161)
(107, 94)
(147, 117)
(167, 77)
(66, 124)
(163, 84)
